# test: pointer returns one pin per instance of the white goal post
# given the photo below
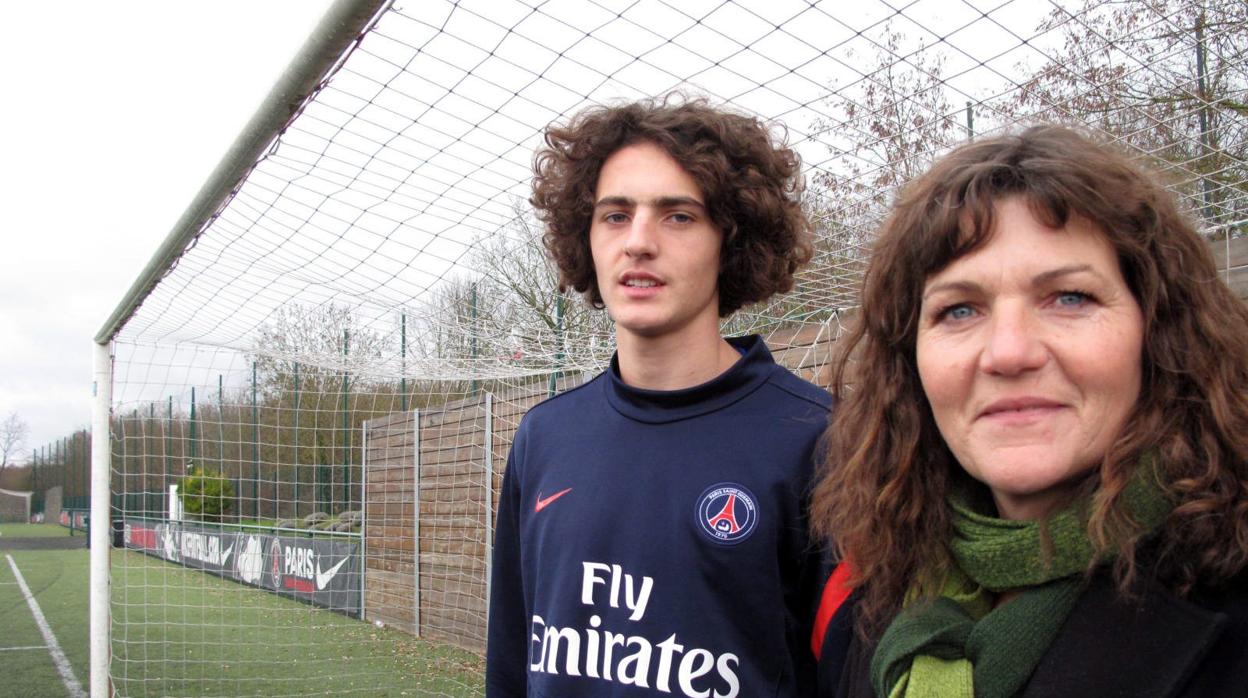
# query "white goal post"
(343, 24)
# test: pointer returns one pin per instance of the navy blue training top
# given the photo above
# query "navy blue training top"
(655, 542)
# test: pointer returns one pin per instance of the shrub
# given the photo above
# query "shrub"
(207, 495)
(351, 516)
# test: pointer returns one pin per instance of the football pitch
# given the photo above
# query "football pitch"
(183, 632)
(56, 581)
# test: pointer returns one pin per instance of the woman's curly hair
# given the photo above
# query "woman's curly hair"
(751, 184)
(881, 498)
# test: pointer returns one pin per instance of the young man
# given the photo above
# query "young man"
(651, 535)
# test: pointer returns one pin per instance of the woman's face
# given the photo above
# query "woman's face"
(1029, 351)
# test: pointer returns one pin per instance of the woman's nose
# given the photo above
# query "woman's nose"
(1012, 344)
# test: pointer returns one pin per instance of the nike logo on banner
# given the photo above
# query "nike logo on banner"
(322, 578)
(226, 555)
(543, 503)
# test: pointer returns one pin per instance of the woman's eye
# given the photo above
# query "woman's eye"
(960, 312)
(957, 312)
(1072, 299)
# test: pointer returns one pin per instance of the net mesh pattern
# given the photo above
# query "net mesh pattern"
(335, 367)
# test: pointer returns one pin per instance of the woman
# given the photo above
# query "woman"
(1036, 473)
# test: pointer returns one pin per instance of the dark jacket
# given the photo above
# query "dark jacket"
(1152, 645)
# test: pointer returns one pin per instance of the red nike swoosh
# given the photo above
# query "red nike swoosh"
(541, 503)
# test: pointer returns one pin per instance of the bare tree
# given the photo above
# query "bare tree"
(883, 129)
(318, 371)
(326, 341)
(509, 315)
(1168, 78)
(13, 432)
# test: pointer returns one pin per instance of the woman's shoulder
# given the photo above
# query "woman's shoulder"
(1152, 637)
(1232, 593)
(1226, 661)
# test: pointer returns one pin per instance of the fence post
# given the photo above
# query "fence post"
(403, 362)
(126, 475)
(559, 353)
(34, 481)
(168, 449)
(474, 384)
(416, 522)
(255, 448)
(1206, 149)
(298, 452)
(363, 516)
(489, 499)
(147, 487)
(194, 432)
(221, 426)
(346, 426)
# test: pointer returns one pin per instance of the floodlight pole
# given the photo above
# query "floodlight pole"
(102, 393)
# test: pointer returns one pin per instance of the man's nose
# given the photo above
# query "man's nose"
(640, 238)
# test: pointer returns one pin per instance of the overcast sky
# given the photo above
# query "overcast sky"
(114, 114)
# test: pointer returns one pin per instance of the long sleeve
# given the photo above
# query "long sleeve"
(506, 655)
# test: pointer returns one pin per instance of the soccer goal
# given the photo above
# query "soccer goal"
(305, 402)
(15, 506)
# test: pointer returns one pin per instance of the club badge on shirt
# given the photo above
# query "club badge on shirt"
(726, 513)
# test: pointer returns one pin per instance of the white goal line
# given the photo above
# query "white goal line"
(54, 648)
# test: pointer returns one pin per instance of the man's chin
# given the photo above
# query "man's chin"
(642, 327)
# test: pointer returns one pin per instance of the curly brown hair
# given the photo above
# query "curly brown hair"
(751, 184)
(881, 498)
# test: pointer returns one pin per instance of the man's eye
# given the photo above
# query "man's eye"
(615, 218)
(681, 218)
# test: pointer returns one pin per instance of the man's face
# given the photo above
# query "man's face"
(655, 249)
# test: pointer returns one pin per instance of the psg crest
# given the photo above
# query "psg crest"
(275, 563)
(726, 513)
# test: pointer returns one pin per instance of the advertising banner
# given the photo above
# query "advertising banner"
(74, 518)
(320, 571)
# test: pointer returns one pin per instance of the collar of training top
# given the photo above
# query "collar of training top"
(661, 406)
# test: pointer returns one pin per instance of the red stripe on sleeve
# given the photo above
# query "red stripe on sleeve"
(835, 591)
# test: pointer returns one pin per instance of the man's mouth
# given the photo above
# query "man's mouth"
(640, 279)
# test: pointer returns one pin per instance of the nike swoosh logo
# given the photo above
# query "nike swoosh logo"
(543, 503)
(226, 555)
(322, 578)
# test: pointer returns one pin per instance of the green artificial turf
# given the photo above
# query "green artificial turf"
(183, 632)
(43, 530)
(177, 631)
(58, 580)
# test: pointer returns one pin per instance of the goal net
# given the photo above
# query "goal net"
(15, 506)
(313, 399)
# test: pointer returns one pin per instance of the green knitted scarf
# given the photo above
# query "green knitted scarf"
(958, 644)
